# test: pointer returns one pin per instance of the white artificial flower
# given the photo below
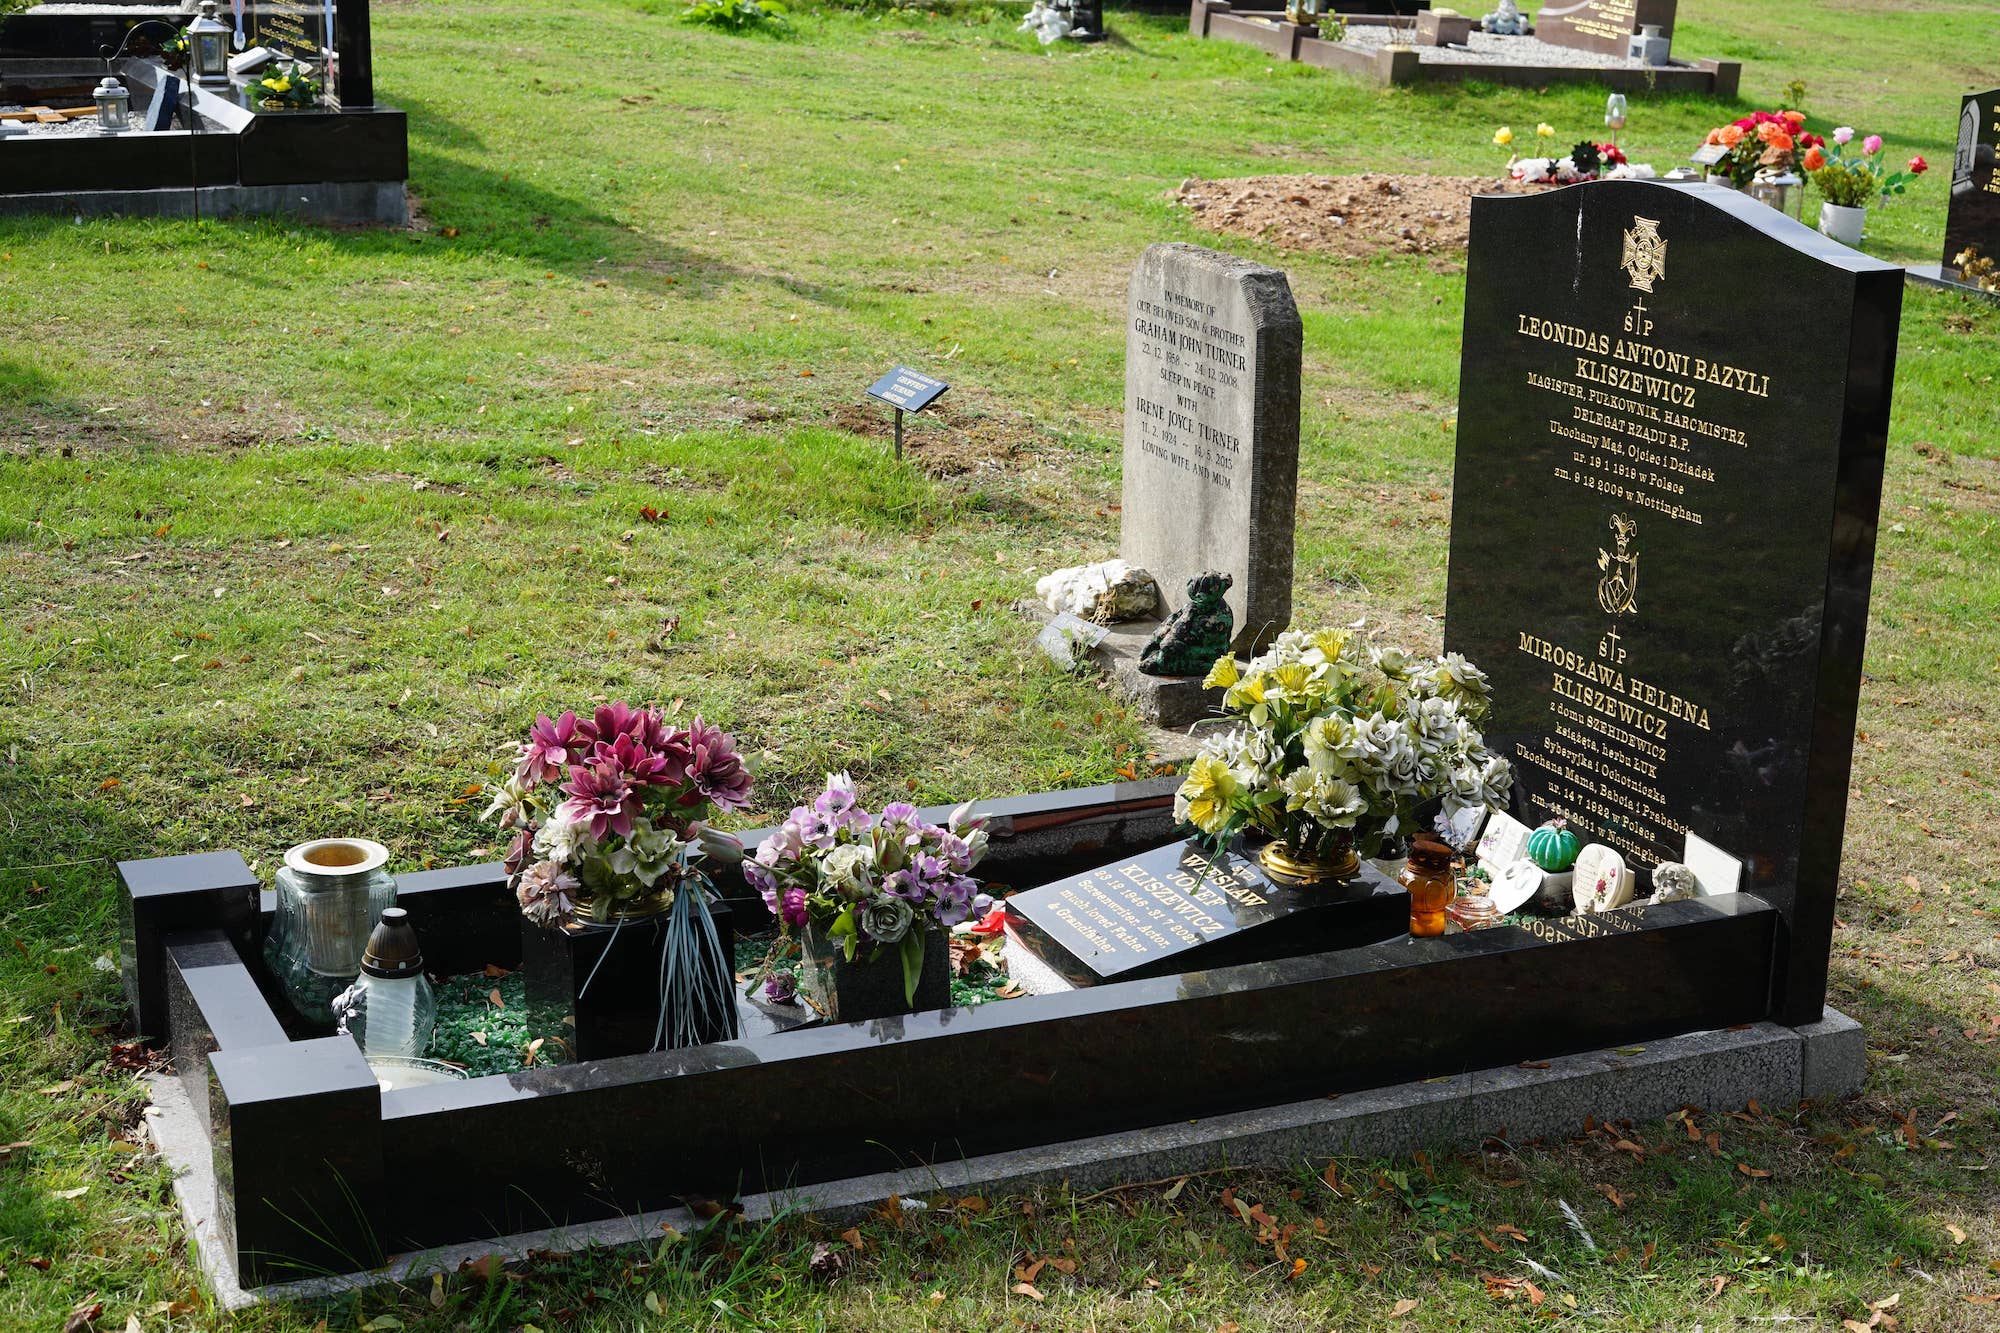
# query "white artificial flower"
(564, 840)
(847, 866)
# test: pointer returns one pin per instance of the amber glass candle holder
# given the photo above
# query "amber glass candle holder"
(1428, 877)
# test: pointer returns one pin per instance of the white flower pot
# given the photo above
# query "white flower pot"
(1842, 224)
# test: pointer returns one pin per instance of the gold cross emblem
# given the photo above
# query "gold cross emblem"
(1645, 253)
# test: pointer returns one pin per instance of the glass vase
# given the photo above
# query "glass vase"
(330, 894)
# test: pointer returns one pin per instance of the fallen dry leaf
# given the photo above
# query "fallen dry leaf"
(1402, 1308)
(1026, 1289)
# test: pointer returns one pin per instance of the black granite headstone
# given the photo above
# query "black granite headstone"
(1170, 910)
(1673, 411)
(330, 35)
(1973, 219)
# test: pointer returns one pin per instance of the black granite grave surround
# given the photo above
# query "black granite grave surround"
(321, 1171)
(1674, 407)
(297, 1133)
(208, 890)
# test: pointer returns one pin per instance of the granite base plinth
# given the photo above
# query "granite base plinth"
(1168, 702)
(1718, 1070)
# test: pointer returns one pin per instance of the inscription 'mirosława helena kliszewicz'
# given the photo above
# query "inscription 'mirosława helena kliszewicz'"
(1672, 416)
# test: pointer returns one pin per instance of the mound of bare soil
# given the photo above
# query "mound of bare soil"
(1348, 215)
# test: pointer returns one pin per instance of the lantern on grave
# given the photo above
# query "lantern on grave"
(331, 892)
(1782, 190)
(208, 47)
(1614, 114)
(114, 106)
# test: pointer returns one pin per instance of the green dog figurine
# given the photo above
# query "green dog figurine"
(1195, 635)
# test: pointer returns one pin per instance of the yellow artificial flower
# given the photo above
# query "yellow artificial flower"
(1206, 798)
(1503, 136)
(1223, 674)
(283, 85)
(1545, 131)
(1330, 642)
(1292, 678)
(1246, 694)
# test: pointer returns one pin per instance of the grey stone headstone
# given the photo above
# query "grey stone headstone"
(1212, 348)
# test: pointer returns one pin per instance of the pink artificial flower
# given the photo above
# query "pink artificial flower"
(550, 749)
(1872, 144)
(600, 796)
(1843, 134)
(1918, 166)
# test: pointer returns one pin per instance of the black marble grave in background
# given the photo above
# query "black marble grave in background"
(1170, 910)
(1974, 212)
(1713, 377)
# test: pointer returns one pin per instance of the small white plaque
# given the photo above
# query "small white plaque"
(1714, 869)
(1603, 880)
(1067, 638)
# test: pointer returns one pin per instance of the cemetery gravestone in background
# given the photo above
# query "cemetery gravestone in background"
(1663, 525)
(1602, 25)
(1974, 216)
(1211, 458)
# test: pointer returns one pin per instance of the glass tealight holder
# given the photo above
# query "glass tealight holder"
(1473, 911)
(330, 894)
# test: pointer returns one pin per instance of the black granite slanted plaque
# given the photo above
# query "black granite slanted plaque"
(1673, 411)
(1168, 911)
(911, 390)
(1973, 221)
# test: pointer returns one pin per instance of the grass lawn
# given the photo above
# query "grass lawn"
(298, 526)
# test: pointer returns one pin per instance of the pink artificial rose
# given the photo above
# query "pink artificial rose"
(1872, 144)
(1843, 134)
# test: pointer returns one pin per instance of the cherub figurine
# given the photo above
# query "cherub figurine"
(1194, 636)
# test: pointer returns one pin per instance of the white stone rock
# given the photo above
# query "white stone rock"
(1107, 592)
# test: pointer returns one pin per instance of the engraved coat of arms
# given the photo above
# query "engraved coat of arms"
(1645, 253)
(1618, 590)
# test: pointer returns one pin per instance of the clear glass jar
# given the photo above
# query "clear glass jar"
(1473, 911)
(330, 894)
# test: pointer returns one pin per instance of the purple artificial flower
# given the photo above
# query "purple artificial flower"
(616, 719)
(782, 988)
(792, 911)
(715, 769)
(551, 747)
(600, 797)
(954, 900)
(642, 765)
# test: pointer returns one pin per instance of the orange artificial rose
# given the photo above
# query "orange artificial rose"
(1781, 141)
(1796, 117)
(1815, 159)
(1729, 135)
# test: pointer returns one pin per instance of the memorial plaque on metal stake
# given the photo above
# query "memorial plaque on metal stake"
(906, 390)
